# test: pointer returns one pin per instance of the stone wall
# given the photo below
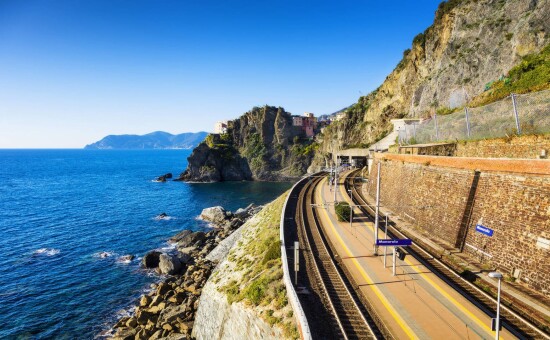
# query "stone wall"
(446, 197)
(530, 147)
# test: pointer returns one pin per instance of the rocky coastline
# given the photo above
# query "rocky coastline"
(168, 310)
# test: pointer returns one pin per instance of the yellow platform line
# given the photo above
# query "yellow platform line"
(410, 333)
(440, 290)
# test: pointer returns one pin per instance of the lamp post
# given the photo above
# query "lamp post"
(497, 275)
(376, 214)
(351, 210)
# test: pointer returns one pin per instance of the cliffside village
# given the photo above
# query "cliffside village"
(308, 123)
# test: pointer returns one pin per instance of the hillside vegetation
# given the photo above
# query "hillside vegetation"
(249, 281)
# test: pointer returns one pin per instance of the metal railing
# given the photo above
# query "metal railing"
(517, 114)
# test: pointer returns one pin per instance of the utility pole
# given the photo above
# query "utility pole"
(335, 182)
(376, 219)
(386, 237)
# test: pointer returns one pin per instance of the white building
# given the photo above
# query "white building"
(220, 127)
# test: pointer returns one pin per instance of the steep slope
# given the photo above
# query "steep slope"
(153, 140)
(245, 297)
(262, 144)
(469, 45)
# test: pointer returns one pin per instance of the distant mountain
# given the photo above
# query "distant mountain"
(153, 140)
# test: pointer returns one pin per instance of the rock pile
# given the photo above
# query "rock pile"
(169, 309)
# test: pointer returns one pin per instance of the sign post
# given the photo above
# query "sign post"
(394, 243)
(296, 261)
(394, 255)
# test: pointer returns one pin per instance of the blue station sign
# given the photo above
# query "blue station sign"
(484, 230)
(397, 242)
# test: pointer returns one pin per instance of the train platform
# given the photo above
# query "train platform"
(415, 303)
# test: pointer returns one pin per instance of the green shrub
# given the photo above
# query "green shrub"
(273, 252)
(256, 290)
(343, 211)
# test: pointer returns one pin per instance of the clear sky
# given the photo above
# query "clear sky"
(74, 71)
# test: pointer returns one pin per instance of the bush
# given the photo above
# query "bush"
(255, 292)
(273, 252)
(343, 211)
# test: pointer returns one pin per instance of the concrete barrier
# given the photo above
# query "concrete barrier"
(303, 326)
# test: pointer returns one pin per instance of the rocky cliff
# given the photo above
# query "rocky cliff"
(262, 144)
(245, 297)
(470, 44)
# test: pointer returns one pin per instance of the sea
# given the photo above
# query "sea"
(66, 218)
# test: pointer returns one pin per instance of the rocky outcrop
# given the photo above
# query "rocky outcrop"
(168, 311)
(246, 297)
(215, 163)
(216, 215)
(469, 45)
(151, 259)
(262, 144)
(169, 264)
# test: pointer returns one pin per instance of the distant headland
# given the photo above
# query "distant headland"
(153, 140)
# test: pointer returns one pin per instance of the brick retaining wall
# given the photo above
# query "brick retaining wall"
(445, 197)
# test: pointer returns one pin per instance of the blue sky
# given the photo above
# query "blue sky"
(73, 71)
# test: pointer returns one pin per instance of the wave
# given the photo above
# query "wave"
(125, 259)
(47, 251)
(104, 254)
(164, 218)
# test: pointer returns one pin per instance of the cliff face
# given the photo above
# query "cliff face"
(245, 297)
(470, 44)
(262, 144)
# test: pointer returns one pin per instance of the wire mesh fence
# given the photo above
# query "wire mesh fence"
(514, 115)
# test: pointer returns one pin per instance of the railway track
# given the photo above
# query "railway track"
(512, 321)
(348, 314)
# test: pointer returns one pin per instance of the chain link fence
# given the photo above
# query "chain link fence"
(518, 114)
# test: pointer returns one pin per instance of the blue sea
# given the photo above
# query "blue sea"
(60, 209)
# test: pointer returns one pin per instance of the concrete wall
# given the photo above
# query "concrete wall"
(446, 197)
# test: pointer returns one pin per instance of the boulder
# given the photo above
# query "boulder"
(192, 239)
(184, 258)
(169, 264)
(145, 301)
(171, 313)
(151, 259)
(168, 175)
(143, 316)
(215, 215)
(179, 236)
(125, 334)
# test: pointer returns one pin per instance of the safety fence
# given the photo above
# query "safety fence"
(517, 114)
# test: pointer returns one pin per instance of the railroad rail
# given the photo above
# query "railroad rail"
(512, 321)
(348, 314)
